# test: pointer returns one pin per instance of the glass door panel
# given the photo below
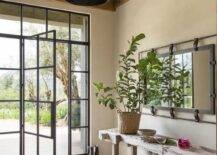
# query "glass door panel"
(40, 94)
(30, 144)
(30, 118)
(79, 141)
(79, 99)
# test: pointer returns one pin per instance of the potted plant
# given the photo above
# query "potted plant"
(151, 81)
(124, 95)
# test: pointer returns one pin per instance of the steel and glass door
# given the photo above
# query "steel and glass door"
(34, 118)
(39, 94)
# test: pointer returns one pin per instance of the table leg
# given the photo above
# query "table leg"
(134, 150)
(115, 149)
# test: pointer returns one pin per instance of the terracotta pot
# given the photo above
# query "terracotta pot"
(128, 122)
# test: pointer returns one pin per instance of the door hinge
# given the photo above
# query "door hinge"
(213, 95)
(213, 62)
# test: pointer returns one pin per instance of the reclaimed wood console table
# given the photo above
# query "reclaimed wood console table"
(134, 141)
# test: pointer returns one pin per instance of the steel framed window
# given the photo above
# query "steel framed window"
(70, 42)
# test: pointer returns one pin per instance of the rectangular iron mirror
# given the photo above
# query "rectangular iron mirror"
(197, 89)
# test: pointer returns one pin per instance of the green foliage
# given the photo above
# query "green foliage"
(76, 114)
(174, 82)
(126, 86)
(149, 69)
(9, 111)
(159, 80)
(162, 80)
(45, 117)
(105, 95)
(62, 110)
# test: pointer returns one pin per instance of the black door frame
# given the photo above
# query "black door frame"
(69, 42)
(22, 69)
(38, 38)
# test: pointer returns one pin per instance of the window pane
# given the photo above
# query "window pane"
(30, 144)
(10, 18)
(30, 52)
(62, 70)
(9, 116)
(59, 21)
(79, 28)
(79, 141)
(9, 144)
(45, 53)
(46, 84)
(62, 128)
(9, 85)
(30, 85)
(62, 138)
(34, 20)
(79, 84)
(30, 117)
(79, 58)
(79, 113)
(46, 146)
(10, 53)
(45, 119)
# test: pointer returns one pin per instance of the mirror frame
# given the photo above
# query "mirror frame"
(212, 93)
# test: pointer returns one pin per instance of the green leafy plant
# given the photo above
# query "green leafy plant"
(150, 69)
(162, 80)
(152, 81)
(126, 89)
(173, 82)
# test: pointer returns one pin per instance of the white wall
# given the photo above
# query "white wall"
(101, 53)
(165, 22)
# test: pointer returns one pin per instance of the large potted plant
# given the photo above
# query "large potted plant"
(124, 95)
(151, 81)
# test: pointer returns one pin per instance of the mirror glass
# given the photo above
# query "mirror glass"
(186, 80)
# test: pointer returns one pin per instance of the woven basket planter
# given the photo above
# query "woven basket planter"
(128, 122)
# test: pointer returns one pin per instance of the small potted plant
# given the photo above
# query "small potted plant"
(124, 95)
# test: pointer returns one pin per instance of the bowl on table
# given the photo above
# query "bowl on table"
(146, 132)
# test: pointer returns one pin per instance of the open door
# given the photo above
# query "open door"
(39, 94)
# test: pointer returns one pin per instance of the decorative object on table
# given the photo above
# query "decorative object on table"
(160, 140)
(126, 91)
(184, 144)
(146, 132)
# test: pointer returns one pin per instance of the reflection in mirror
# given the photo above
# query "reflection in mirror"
(185, 80)
(201, 79)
